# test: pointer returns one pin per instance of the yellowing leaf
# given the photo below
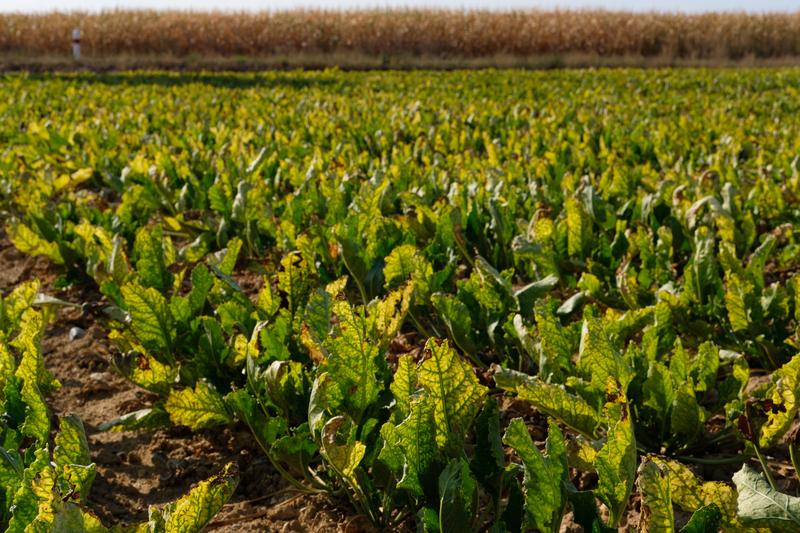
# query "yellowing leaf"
(151, 319)
(691, 494)
(343, 457)
(191, 513)
(27, 241)
(200, 407)
(599, 358)
(616, 460)
(455, 391)
(550, 399)
(785, 393)
(657, 515)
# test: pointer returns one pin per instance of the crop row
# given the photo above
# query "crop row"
(613, 250)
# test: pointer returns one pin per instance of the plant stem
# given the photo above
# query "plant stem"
(719, 461)
(793, 455)
(765, 467)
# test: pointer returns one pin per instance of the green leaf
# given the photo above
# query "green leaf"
(153, 253)
(585, 512)
(550, 399)
(201, 407)
(616, 460)
(457, 319)
(71, 446)
(415, 436)
(151, 319)
(202, 281)
(527, 295)
(707, 519)
(489, 460)
(288, 389)
(761, 506)
(404, 386)
(736, 298)
(543, 484)
(458, 497)
(455, 391)
(142, 420)
(247, 409)
(653, 482)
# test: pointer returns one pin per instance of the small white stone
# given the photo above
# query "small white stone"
(76, 333)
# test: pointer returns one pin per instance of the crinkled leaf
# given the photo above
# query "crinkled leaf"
(556, 344)
(543, 484)
(33, 375)
(455, 391)
(691, 493)
(342, 452)
(616, 460)
(154, 253)
(785, 393)
(201, 407)
(404, 386)
(151, 319)
(352, 361)
(653, 482)
(736, 296)
(599, 358)
(191, 513)
(550, 399)
(29, 242)
(71, 446)
(686, 418)
(415, 436)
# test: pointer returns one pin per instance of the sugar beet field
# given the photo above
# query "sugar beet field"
(427, 301)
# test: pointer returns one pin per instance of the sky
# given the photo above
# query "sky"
(236, 5)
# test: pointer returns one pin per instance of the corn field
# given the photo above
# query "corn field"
(441, 33)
